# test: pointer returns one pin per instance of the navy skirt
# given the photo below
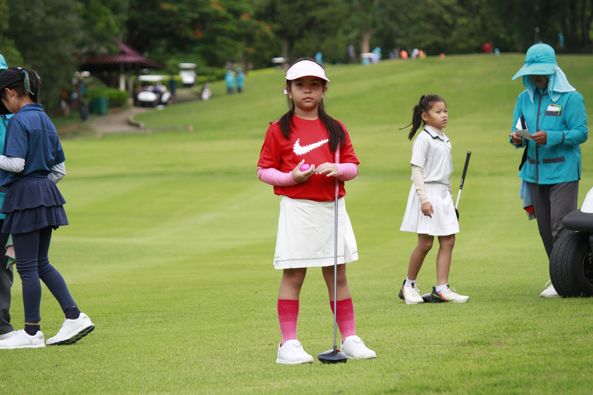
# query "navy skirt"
(33, 203)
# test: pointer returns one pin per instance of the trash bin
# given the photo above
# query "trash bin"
(99, 105)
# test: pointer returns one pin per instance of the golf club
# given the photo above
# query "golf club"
(335, 355)
(467, 157)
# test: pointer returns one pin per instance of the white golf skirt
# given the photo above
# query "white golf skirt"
(443, 222)
(306, 234)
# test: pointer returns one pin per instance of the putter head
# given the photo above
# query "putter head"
(332, 356)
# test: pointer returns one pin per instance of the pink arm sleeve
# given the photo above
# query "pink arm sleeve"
(275, 177)
(347, 171)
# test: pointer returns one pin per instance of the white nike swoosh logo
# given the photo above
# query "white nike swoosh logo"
(302, 150)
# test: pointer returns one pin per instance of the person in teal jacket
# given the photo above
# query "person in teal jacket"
(6, 329)
(554, 121)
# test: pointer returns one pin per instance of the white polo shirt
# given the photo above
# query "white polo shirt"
(432, 151)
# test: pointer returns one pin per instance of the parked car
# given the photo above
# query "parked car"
(153, 92)
(187, 73)
(571, 262)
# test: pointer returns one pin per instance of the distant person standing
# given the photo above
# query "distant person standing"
(376, 55)
(556, 120)
(351, 54)
(82, 100)
(487, 47)
(172, 84)
(205, 93)
(230, 81)
(560, 41)
(319, 57)
(240, 80)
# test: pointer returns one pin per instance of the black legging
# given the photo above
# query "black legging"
(32, 264)
(5, 284)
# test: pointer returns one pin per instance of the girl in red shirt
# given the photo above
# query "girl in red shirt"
(302, 156)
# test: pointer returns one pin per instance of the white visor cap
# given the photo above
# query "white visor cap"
(305, 68)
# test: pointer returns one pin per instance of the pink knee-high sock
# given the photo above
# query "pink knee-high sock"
(288, 314)
(345, 317)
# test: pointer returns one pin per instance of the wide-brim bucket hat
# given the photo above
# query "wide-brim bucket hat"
(305, 68)
(540, 59)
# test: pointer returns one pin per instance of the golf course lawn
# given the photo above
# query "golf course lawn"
(171, 240)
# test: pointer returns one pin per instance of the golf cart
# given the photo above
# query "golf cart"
(153, 91)
(187, 73)
(571, 263)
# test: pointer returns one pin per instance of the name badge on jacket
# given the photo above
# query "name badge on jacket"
(554, 110)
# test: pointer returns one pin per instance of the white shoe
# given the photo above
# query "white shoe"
(72, 330)
(22, 339)
(7, 335)
(354, 348)
(549, 292)
(448, 295)
(411, 295)
(292, 353)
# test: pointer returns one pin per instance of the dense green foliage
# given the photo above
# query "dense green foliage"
(172, 236)
(54, 36)
(115, 97)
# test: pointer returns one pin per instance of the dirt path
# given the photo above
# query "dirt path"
(122, 121)
(117, 121)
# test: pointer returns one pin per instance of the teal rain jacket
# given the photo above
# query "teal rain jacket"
(558, 110)
(3, 125)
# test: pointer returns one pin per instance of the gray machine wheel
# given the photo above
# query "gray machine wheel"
(571, 265)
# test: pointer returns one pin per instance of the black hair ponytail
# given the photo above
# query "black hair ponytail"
(337, 135)
(34, 82)
(424, 105)
(24, 82)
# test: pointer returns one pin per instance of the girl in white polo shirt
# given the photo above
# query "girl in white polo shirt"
(430, 210)
(307, 135)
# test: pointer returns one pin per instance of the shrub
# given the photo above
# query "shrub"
(210, 74)
(115, 97)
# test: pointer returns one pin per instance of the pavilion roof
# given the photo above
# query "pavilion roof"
(127, 57)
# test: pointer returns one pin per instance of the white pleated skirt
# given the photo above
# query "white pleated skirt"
(443, 222)
(306, 234)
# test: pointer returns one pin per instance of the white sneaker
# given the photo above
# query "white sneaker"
(21, 339)
(354, 348)
(72, 331)
(7, 335)
(549, 292)
(448, 295)
(411, 295)
(292, 353)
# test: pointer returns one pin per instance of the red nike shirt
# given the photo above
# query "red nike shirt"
(308, 141)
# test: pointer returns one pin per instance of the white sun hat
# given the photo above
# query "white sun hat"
(305, 68)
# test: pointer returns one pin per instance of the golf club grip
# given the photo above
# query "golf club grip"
(465, 166)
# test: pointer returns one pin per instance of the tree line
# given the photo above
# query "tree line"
(54, 36)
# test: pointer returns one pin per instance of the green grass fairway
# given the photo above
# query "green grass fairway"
(172, 235)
